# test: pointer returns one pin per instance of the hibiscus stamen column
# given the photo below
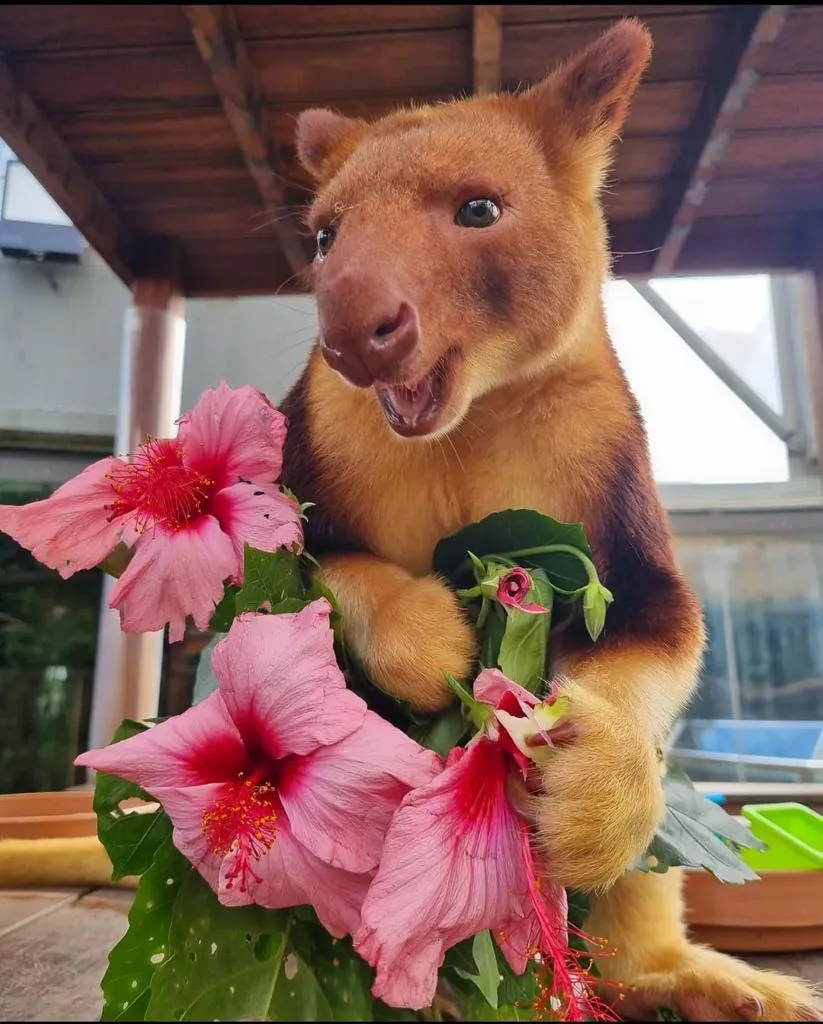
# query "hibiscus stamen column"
(128, 666)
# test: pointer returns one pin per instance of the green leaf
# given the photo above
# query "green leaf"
(298, 994)
(224, 963)
(491, 636)
(523, 648)
(135, 959)
(446, 732)
(507, 533)
(131, 838)
(515, 993)
(225, 612)
(205, 681)
(698, 833)
(342, 978)
(268, 576)
(487, 975)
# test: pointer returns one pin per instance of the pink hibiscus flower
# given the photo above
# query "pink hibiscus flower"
(513, 589)
(186, 505)
(281, 784)
(458, 859)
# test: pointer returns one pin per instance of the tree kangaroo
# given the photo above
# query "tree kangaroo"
(463, 366)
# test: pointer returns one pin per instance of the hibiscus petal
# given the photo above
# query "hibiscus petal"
(281, 682)
(186, 808)
(265, 519)
(451, 867)
(234, 434)
(175, 573)
(491, 686)
(341, 798)
(71, 530)
(292, 876)
(201, 745)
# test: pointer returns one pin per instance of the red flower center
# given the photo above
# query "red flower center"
(159, 487)
(242, 825)
(515, 584)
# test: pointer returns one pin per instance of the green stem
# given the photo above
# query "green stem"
(469, 595)
(547, 549)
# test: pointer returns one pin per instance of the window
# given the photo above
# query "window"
(48, 639)
(747, 514)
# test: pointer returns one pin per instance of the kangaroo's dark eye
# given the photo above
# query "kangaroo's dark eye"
(325, 239)
(478, 213)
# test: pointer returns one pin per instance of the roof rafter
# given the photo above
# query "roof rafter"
(224, 53)
(487, 46)
(742, 54)
(29, 133)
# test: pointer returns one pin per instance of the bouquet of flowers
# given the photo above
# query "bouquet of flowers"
(307, 848)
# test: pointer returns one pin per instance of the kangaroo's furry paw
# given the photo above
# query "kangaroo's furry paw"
(703, 985)
(601, 797)
(418, 636)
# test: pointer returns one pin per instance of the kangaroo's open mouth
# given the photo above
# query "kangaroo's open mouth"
(415, 410)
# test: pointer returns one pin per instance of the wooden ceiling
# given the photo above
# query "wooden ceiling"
(165, 131)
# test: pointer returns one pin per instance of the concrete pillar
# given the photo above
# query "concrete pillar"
(127, 671)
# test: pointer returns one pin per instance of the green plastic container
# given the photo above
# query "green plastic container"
(794, 835)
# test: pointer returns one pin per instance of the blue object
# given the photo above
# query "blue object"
(716, 798)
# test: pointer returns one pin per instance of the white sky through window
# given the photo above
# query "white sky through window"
(699, 430)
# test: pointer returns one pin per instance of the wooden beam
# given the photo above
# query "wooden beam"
(223, 51)
(26, 129)
(487, 46)
(740, 59)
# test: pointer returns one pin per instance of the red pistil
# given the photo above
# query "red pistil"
(159, 487)
(242, 825)
(565, 986)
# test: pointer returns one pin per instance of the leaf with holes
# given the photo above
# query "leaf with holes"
(223, 963)
(136, 958)
(269, 577)
(131, 838)
(341, 977)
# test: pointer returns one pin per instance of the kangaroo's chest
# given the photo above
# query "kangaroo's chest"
(417, 498)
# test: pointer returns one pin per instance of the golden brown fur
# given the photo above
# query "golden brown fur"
(538, 415)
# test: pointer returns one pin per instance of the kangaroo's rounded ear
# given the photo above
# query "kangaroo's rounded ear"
(584, 102)
(325, 139)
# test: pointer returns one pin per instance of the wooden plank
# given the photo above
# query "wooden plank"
(741, 56)
(765, 195)
(518, 14)
(224, 53)
(787, 101)
(632, 200)
(396, 66)
(772, 151)
(717, 245)
(50, 970)
(39, 146)
(683, 44)
(798, 50)
(46, 28)
(266, 21)
(487, 47)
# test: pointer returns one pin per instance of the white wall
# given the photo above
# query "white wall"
(60, 350)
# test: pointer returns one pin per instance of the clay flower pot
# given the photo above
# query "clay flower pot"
(47, 815)
(781, 912)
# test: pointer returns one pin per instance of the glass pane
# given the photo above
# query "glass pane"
(48, 642)
(699, 431)
(734, 315)
(758, 714)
